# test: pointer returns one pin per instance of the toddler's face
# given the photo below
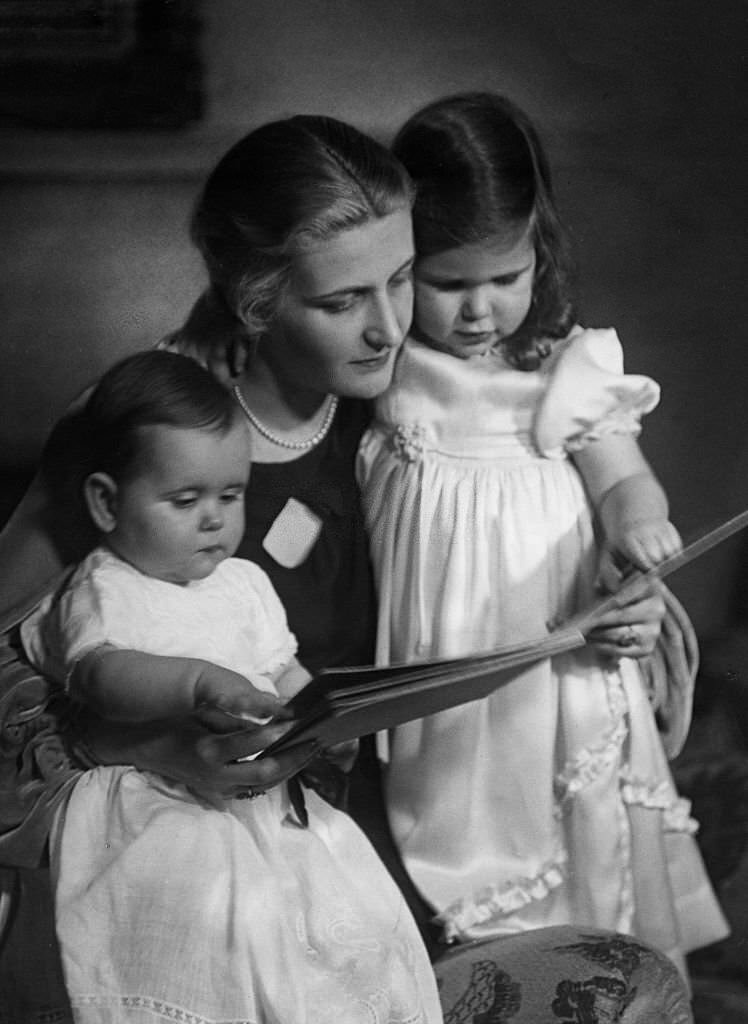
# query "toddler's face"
(183, 512)
(474, 296)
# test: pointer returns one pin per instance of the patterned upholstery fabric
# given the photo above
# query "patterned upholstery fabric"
(561, 975)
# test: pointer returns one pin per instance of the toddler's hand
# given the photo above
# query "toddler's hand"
(224, 700)
(642, 544)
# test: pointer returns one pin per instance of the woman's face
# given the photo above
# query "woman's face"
(346, 310)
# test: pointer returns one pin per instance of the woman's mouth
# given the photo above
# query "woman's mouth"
(374, 362)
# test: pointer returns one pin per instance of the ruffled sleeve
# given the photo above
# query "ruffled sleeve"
(589, 395)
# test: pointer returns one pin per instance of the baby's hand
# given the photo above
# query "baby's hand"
(225, 700)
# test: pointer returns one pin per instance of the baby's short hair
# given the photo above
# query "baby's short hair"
(153, 388)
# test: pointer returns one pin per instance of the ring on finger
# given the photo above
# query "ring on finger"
(629, 637)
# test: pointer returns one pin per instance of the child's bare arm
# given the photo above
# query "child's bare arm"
(130, 686)
(631, 504)
(291, 679)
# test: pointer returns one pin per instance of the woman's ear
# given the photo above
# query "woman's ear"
(100, 492)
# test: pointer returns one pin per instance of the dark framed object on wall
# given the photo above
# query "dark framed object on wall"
(99, 64)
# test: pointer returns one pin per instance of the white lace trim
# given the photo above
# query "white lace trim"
(169, 1012)
(626, 898)
(660, 796)
(498, 901)
(589, 763)
(159, 1008)
(625, 422)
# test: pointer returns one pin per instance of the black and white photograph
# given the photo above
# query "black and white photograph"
(373, 512)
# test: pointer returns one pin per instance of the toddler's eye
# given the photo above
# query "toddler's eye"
(231, 496)
(339, 305)
(182, 501)
(446, 286)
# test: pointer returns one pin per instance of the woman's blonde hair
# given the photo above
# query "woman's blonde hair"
(284, 186)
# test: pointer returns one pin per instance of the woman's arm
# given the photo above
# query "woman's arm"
(30, 558)
(185, 750)
(38, 764)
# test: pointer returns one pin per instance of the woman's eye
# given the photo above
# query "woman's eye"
(505, 280)
(402, 279)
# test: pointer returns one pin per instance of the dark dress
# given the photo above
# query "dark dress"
(329, 597)
(329, 600)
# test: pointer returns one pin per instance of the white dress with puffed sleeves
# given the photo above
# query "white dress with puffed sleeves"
(171, 906)
(550, 801)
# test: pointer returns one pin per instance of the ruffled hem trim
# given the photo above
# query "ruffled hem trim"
(589, 764)
(495, 902)
(676, 810)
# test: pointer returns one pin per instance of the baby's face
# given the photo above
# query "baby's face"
(183, 512)
(472, 297)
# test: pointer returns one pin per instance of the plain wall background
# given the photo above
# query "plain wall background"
(642, 110)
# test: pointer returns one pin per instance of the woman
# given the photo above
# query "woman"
(306, 234)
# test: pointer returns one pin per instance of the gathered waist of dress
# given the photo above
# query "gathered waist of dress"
(412, 443)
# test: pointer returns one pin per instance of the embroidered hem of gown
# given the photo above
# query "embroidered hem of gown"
(492, 903)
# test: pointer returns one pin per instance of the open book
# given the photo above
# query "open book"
(343, 703)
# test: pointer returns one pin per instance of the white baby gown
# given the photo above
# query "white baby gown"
(551, 801)
(172, 907)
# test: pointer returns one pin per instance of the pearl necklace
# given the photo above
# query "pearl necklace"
(282, 441)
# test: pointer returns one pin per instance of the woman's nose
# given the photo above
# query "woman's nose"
(383, 329)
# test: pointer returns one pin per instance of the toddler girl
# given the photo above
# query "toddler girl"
(169, 902)
(501, 480)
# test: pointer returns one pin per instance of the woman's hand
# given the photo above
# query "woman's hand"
(187, 751)
(214, 337)
(631, 627)
(341, 755)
